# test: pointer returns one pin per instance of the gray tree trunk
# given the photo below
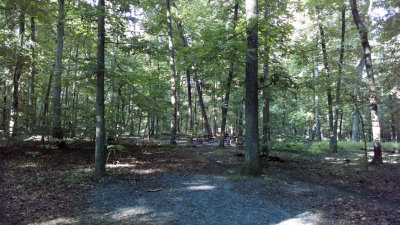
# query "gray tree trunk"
(100, 169)
(13, 126)
(333, 141)
(31, 79)
(252, 146)
(189, 87)
(316, 99)
(174, 111)
(203, 108)
(56, 119)
(265, 94)
(228, 85)
(4, 106)
(376, 130)
(356, 118)
(339, 79)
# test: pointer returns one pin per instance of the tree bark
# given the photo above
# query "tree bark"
(4, 106)
(252, 151)
(376, 131)
(332, 142)
(203, 108)
(189, 87)
(339, 79)
(316, 99)
(100, 169)
(13, 126)
(56, 125)
(31, 79)
(174, 111)
(265, 94)
(228, 85)
(356, 118)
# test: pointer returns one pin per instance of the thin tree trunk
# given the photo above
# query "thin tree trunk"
(31, 79)
(4, 111)
(316, 99)
(203, 108)
(189, 88)
(265, 94)
(100, 169)
(13, 126)
(332, 142)
(339, 79)
(340, 126)
(252, 150)
(174, 111)
(56, 125)
(228, 85)
(392, 120)
(376, 130)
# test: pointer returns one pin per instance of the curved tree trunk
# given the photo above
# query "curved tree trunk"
(56, 126)
(203, 108)
(376, 130)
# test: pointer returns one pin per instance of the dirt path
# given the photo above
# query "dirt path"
(190, 185)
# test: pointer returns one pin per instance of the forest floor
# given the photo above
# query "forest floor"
(161, 184)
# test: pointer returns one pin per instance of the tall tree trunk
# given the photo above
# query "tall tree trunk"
(100, 122)
(4, 106)
(376, 130)
(174, 111)
(356, 118)
(392, 119)
(339, 79)
(252, 151)
(228, 85)
(31, 79)
(13, 126)
(189, 88)
(265, 93)
(240, 121)
(56, 125)
(340, 126)
(332, 142)
(215, 113)
(203, 108)
(316, 99)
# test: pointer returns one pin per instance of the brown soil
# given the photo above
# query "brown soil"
(41, 186)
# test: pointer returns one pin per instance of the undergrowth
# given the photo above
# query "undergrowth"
(318, 147)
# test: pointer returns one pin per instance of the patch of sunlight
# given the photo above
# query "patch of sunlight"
(306, 218)
(201, 188)
(329, 158)
(128, 212)
(29, 165)
(62, 220)
(34, 138)
(120, 165)
(147, 171)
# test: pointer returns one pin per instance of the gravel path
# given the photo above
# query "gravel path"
(205, 199)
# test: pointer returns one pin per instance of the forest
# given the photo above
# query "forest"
(199, 112)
